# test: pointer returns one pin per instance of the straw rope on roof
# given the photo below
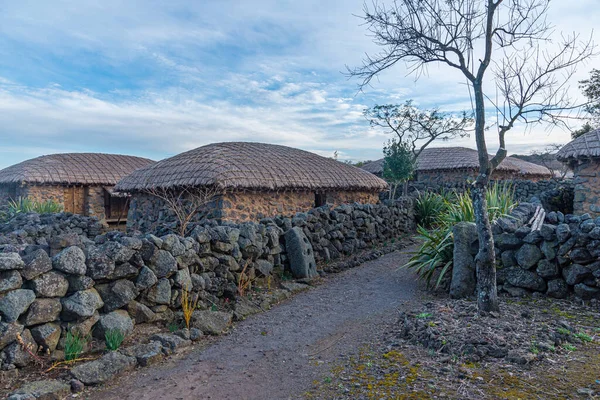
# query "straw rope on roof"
(73, 169)
(462, 158)
(250, 166)
(585, 146)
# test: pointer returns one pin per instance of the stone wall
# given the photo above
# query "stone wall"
(42, 193)
(7, 192)
(58, 274)
(460, 176)
(563, 257)
(587, 188)
(147, 213)
(94, 202)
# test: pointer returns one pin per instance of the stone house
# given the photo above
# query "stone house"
(81, 182)
(582, 155)
(459, 164)
(250, 181)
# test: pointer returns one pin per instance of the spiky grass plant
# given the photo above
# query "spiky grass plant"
(113, 339)
(74, 345)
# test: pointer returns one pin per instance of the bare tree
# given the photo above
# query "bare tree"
(185, 202)
(418, 128)
(528, 72)
(547, 158)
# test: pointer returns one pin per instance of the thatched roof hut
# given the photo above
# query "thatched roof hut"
(242, 166)
(584, 147)
(450, 159)
(73, 169)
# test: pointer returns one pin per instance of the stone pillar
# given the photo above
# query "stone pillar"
(464, 281)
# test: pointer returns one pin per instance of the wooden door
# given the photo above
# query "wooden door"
(75, 200)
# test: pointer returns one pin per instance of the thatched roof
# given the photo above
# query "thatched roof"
(585, 146)
(462, 158)
(73, 169)
(250, 166)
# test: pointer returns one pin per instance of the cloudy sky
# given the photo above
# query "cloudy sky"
(154, 78)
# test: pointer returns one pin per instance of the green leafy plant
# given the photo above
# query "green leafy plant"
(436, 254)
(113, 339)
(584, 337)
(74, 345)
(424, 315)
(428, 207)
(173, 327)
(564, 331)
(569, 347)
(25, 205)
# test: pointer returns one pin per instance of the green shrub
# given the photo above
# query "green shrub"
(436, 254)
(74, 345)
(428, 207)
(113, 339)
(25, 205)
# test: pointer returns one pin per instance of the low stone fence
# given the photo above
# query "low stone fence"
(71, 282)
(561, 258)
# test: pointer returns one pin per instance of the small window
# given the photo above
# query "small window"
(320, 199)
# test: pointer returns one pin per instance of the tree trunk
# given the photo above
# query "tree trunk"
(487, 294)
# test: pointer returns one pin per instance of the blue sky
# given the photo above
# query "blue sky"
(154, 78)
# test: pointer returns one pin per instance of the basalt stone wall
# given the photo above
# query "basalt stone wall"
(587, 188)
(53, 279)
(562, 257)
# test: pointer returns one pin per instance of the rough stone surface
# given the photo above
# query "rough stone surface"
(211, 322)
(116, 320)
(547, 269)
(36, 263)
(50, 284)
(558, 289)
(528, 256)
(160, 293)
(145, 279)
(15, 303)
(117, 294)
(71, 261)
(15, 354)
(42, 310)
(525, 279)
(575, 274)
(46, 336)
(586, 292)
(146, 354)
(163, 264)
(81, 305)
(170, 342)
(140, 313)
(8, 333)
(48, 389)
(10, 280)
(463, 272)
(103, 369)
(10, 261)
(300, 253)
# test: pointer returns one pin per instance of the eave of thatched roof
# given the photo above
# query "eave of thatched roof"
(585, 146)
(462, 158)
(73, 169)
(250, 166)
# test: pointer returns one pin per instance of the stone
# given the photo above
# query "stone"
(103, 369)
(116, 320)
(173, 245)
(15, 354)
(198, 282)
(123, 271)
(557, 288)
(549, 249)
(506, 241)
(76, 386)
(146, 354)
(463, 272)
(294, 287)
(79, 282)
(548, 232)
(99, 264)
(36, 263)
(160, 293)
(581, 256)
(50, 284)
(84, 327)
(547, 269)
(42, 310)
(300, 254)
(595, 233)
(183, 279)
(117, 252)
(587, 226)
(145, 279)
(264, 267)
(81, 305)
(10, 261)
(10, 280)
(163, 264)
(586, 292)
(117, 294)
(508, 258)
(70, 261)
(48, 389)
(170, 342)
(8, 333)
(507, 224)
(534, 237)
(528, 256)
(516, 291)
(575, 273)
(196, 334)
(211, 322)
(46, 336)
(525, 279)
(140, 313)
(563, 232)
(15, 303)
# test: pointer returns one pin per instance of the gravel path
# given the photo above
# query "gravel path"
(280, 353)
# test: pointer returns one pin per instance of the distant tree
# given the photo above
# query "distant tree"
(587, 127)
(502, 43)
(591, 90)
(361, 163)
(547, 158)
(398, 164)
(418, 128)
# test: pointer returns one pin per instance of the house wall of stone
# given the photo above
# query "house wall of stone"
(587, 188)
(7, 192)
(42, 193)
(253, 206)
(94, 202)
(463, 175)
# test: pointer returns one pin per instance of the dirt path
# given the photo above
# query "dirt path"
(280, 353)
